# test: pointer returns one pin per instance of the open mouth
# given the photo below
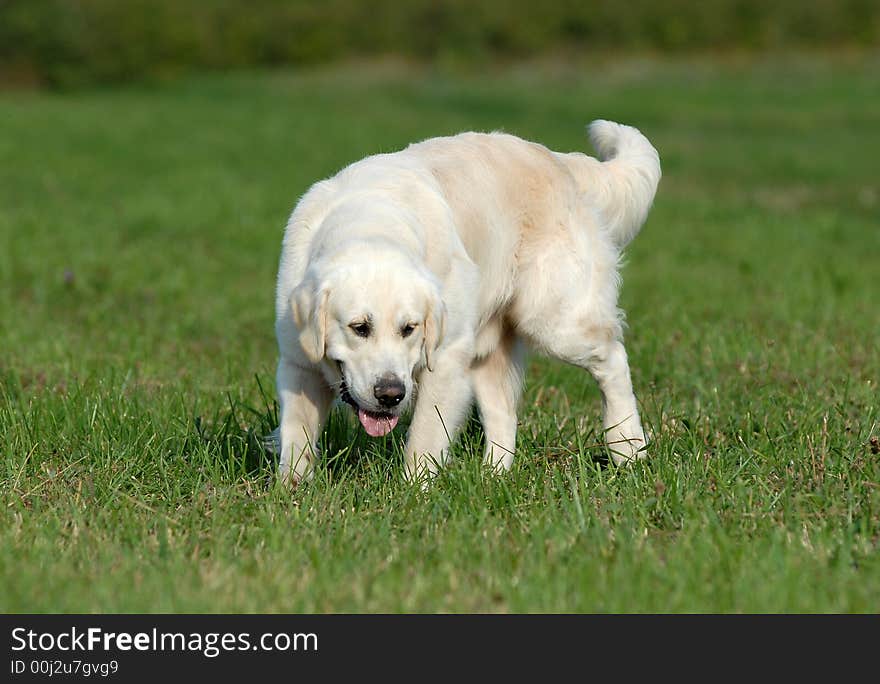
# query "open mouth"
(376, 424)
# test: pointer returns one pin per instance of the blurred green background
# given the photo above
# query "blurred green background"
(67, 43)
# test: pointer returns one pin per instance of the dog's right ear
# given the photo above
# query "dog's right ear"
(309, 306)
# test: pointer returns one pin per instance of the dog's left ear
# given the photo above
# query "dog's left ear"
(310, 315)
(435, 327)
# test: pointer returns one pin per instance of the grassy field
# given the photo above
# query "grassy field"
(140, 233)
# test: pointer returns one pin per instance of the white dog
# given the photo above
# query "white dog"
(419, 277)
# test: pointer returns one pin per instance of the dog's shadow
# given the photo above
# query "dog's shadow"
(346, 448)
(245, 439)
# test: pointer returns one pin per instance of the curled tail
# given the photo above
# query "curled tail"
(624, 185)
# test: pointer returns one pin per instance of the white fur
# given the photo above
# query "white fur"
(485, 243)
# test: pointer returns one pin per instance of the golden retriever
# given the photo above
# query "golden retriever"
(419, 278)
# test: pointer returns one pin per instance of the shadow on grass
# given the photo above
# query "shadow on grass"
(236, 435)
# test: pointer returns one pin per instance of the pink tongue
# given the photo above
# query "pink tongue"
(375, 424)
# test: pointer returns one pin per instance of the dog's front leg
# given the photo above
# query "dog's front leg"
(445, 395)
(305, 401)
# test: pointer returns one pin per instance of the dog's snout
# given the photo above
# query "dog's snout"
(389, 391)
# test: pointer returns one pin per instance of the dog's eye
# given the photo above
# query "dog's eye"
(361, 329)
(407, 330)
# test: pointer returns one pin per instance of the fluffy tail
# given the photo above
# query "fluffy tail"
(627, 178)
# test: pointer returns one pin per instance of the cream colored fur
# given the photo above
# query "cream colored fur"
(485, 244)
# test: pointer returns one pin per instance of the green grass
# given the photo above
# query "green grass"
(140, 234)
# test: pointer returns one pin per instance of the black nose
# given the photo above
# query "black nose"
(389, 391)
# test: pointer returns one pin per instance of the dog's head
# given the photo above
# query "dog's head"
(372, 325)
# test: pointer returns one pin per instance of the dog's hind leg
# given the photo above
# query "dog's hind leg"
(497, 382)
(570, 312)
(623, 428)
(599, 349)
(305, 401)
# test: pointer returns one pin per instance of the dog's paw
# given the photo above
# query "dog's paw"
(626, 442)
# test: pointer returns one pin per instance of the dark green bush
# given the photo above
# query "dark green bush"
(72, 42)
